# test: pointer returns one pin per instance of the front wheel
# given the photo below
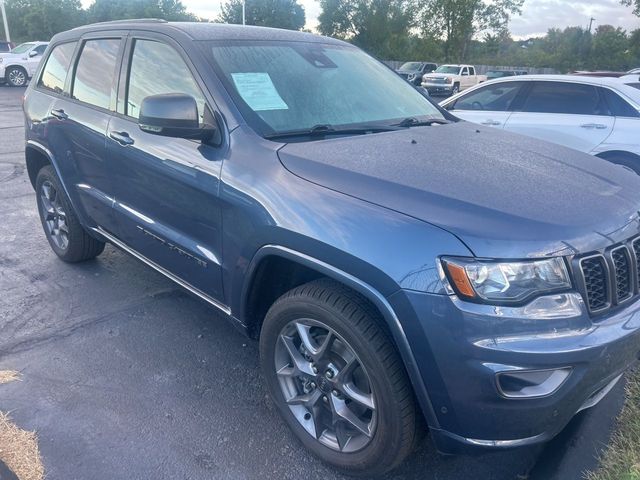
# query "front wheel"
(16, 77)
(455, 90)
(337, 379)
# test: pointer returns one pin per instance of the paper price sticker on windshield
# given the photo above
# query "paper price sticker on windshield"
(258, 91)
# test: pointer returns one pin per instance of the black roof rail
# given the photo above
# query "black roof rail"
(125, 22)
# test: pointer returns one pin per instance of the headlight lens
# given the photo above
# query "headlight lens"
(506, 282)
(449, 80)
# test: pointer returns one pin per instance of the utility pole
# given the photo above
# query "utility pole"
(4, 21)
(591, 23)
(243, 9)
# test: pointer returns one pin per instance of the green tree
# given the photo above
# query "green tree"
(634, 3)
(106, 10)
(41, 19)
(457, 21)
(287, 14)
(610, 49)
(380, 27)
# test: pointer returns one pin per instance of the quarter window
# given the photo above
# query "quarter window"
(495, 98)
(157, 68)
(561, 97)
(95, 72)
(57, 66)
(618, 106)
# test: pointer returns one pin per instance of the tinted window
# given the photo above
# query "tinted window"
(558, 97)
(40, 49)
(618, 106)
(472, 71)
(57, 66)
(495, 98)
(157, 68)
(95, 71)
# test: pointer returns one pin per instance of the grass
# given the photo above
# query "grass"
(621, 460)
(7, 376)
(19, 450)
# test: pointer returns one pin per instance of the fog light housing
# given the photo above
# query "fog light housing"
(531, 383)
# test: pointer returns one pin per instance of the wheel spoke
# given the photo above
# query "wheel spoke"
(316, 351)
(299, 362)
(342, 436)
(341, 410)
(306, 399)
(355, 394)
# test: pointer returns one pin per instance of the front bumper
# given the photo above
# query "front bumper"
(460, 348)
(437, 88)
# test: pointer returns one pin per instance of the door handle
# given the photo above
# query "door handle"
(122, 138)
(59, 114)
(597, 126)
(491, 123)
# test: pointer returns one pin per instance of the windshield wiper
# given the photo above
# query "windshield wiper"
(414, 122)
(323, 130)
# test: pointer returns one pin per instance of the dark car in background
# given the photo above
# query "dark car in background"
(6, 46)
(396, 264)
(491, 74)
(412, 72)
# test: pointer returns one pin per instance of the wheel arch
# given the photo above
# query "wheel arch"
(621, 157)
(36, 157)
(312, 268)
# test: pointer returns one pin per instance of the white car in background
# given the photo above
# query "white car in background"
(596, 115)
(20, 64)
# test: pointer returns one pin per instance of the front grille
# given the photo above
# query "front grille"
(594, 272)
(609, 277)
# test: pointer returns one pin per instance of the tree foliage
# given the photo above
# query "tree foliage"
(287, 14)
(632, 3)
(105, 10)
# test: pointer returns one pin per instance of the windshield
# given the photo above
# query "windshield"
(292, 86)
(448, 69)
(411, 67)
(23, 47)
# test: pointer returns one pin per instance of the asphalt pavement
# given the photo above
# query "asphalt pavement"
(126, 376)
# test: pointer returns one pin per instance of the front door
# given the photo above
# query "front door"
(489, 105)
(166, 189)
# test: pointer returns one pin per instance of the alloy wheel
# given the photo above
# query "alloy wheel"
(54, 216)
(17, 77)
(325, 385)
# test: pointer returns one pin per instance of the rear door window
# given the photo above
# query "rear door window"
(40, 49)
(55, 70)
(95, 71)
(618, 106)
(157, 68)
(494, 98)
(564, 97)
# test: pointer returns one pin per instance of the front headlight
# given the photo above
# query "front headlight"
(449, 80)
(497, 282)
(411, 77)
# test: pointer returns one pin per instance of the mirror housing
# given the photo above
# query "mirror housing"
(173, 115)
(33, 53)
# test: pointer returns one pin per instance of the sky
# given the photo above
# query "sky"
(537, 15)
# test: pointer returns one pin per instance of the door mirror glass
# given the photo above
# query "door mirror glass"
(33, 53)
(173, 115)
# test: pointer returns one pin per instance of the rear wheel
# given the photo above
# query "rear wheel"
(337, 379)
(630, 161)
(16, 76)
(66, 236)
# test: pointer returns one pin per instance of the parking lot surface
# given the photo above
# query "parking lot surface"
(126, 376)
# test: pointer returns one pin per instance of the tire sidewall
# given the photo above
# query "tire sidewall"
(8, 76)
(386, 433)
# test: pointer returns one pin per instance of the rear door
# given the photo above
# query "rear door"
(166, 189)
(489, 105)
(570, 114)
(78, 122)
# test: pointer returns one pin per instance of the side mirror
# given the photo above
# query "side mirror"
(33, 53)
(173, 115)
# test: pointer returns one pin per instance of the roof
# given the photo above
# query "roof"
(211, 31)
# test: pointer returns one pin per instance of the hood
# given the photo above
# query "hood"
(443, 75)
(503, 195)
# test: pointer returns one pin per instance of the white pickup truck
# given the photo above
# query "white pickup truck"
(451, 79)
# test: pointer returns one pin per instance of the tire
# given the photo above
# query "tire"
(16, 76)
(324, 309)
(66, 236)
(455, 90)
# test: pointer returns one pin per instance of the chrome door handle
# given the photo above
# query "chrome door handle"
(122, 138)
(597, 126)
(59, 114)
(492, 123)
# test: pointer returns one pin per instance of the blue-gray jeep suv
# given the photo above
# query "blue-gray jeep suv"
(396, 264)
